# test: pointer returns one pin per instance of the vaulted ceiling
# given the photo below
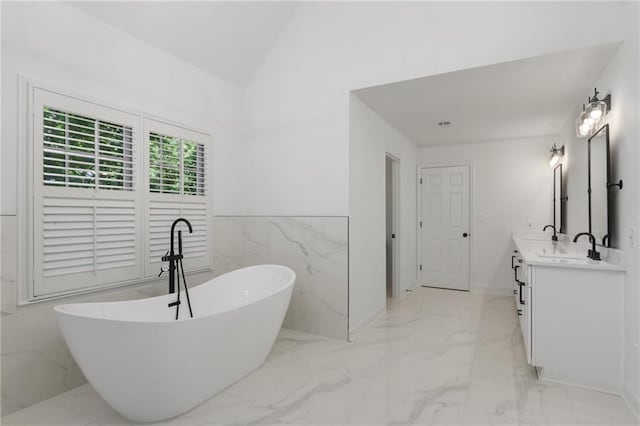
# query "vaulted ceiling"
(229, 39)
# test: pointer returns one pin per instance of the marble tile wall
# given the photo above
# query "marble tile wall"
(8, 267)
(36, 364)
(316, 248)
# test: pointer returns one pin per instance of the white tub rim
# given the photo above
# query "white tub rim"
(63, 309)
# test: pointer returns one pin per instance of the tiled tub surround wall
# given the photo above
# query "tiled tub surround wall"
(316, 248)
(36, 363)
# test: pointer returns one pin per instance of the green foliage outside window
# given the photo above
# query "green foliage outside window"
(165, 165)
(71, 157)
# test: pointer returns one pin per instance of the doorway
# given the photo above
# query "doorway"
(392, 219)
(444, 227)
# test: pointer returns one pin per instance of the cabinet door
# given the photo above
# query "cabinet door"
(524, 308)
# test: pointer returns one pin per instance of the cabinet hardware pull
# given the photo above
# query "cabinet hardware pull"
(520, 285)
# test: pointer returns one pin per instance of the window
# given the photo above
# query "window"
(93, 186)
(83, 152)
(177, 175)
(176, 166)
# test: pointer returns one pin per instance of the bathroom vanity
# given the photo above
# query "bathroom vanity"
(570, 310)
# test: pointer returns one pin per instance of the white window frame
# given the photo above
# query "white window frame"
(30, 158)
(80, 198)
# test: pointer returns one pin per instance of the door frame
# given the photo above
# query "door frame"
(395, 224)
(441, 164)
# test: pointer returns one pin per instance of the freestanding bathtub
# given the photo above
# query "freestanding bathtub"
(150, 367)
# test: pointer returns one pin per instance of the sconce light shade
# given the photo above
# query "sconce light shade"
(583, 125)
(593, 115)
(596, 110)
(556, 154)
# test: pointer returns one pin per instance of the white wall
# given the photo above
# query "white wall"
(511, 188)
(298, 147)
(298, 101)
(620, 78)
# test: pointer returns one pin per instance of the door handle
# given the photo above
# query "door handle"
(465, 235)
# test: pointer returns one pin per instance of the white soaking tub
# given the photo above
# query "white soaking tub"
(149, 366)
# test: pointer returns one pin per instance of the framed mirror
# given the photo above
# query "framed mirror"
(598, 186)
(558, 198)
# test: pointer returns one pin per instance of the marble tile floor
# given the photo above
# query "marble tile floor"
(437, 358)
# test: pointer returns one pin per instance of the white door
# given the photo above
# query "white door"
(444, 227)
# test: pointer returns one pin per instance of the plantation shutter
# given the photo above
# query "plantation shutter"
(86, 213)
(177, 186)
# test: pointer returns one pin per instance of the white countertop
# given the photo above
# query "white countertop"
(536, 248)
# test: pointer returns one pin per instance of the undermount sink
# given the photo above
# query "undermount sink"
(558, 253)
(560, 257)
(537, 237)
(555, 252)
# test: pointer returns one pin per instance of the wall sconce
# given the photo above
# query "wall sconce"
(556, 154)
(592, 115)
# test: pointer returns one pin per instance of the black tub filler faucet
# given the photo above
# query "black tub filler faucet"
(176, 269)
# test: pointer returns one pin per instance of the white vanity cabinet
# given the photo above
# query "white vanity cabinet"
(571, 314)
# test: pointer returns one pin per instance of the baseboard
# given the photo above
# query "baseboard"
(489, 289)
(542, 377)
(410, 289)
(358, 329)
(632, 400)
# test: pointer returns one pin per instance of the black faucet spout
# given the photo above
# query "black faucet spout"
(172, 257)
(554, 237)
(577, 236)
(592, 253)
(173, 227)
